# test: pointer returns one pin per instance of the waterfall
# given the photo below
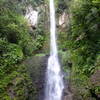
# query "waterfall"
(54, 78)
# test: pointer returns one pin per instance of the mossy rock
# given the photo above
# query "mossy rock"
(36, 67)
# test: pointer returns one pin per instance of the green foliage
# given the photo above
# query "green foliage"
(96, 1)
(83, 42)
(10, 54)
(15, 44)
(84, 34)
(18, 82)
(39, 42)
(62, 37)
(14, 5)
(61, 5)
(97, 90)
(14, 28)
(37, 2)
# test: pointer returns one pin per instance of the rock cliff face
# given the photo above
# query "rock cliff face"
(32, 16)
(63, 20)
(36, 67)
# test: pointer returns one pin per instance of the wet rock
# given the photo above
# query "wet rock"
(95, 82)
(95, 78)
(37, 68)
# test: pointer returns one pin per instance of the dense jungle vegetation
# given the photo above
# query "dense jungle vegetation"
(16, 44)
(78, 42)
(84, 45)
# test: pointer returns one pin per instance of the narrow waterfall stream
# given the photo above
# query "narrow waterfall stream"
(54, 77)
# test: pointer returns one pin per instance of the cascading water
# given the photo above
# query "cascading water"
(54, 78)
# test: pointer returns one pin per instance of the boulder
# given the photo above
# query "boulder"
(36, 67)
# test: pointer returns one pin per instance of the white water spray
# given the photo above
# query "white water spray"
(54, 78)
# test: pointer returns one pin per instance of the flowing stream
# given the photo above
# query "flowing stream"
(54, 77)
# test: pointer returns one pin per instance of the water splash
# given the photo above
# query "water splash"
(54, 78)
